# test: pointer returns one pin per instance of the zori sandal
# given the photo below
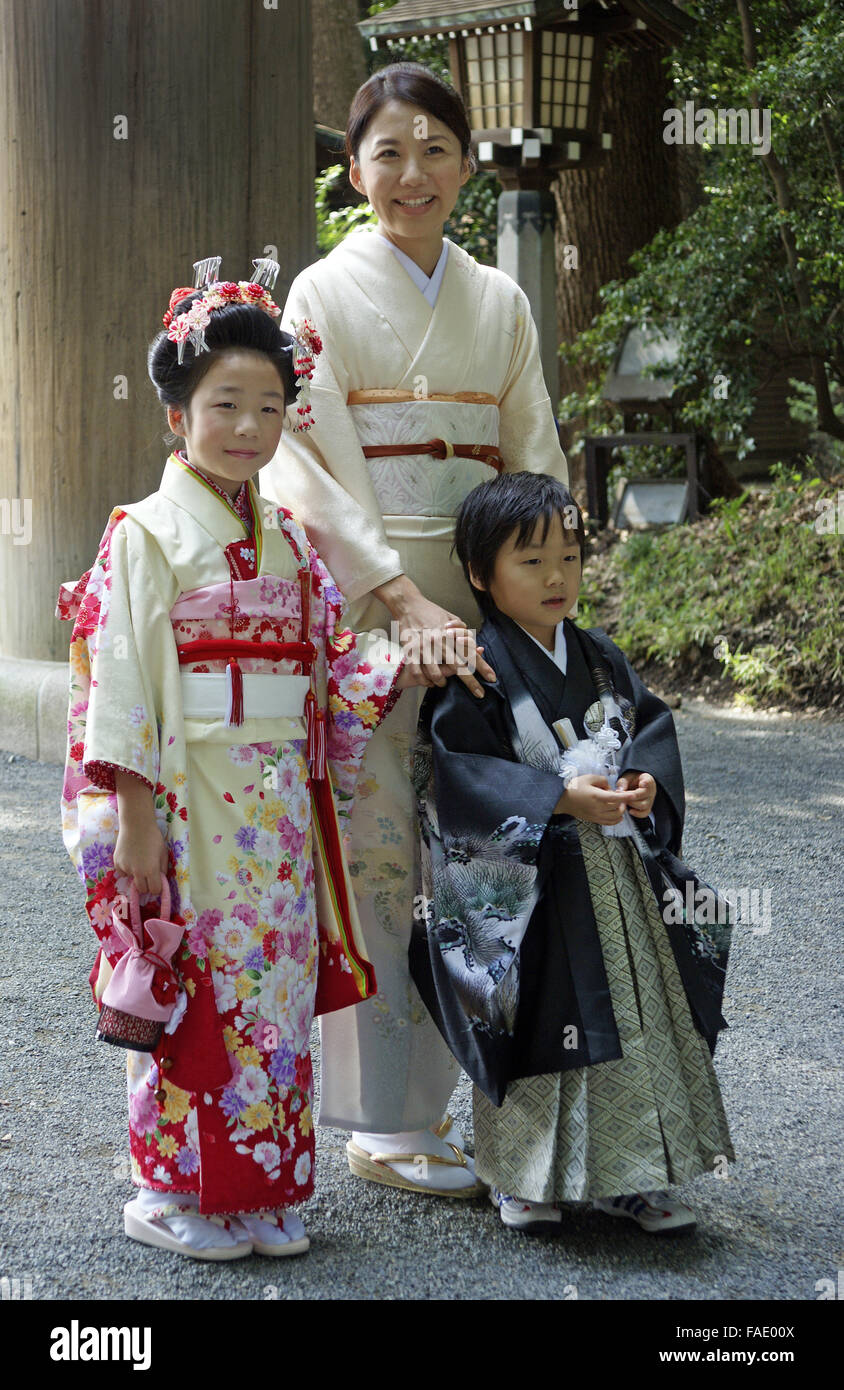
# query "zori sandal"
(274, 1233)
(149, 1226)
(448, 1131)
(382, 1168)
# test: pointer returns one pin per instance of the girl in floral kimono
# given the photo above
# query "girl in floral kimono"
(215, 702)
(547, 944)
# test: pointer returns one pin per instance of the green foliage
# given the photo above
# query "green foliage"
(752, 592)
(721, 279)
(334, 222)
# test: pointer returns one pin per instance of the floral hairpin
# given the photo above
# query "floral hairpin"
(307, 346)
(193, 323)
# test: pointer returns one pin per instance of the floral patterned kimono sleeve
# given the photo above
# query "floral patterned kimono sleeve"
(122, 652)
(356, 676)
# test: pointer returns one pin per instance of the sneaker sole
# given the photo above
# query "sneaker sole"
(678, 1230)
(534, 1228)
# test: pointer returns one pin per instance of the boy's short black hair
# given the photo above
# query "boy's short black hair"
(494, 510)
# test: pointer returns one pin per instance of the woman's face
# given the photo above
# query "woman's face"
(410, 169)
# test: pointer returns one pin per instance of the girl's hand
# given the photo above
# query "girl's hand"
(438, 643)
(589, 798)
(141, 850)
(141, 854)
(643, 788)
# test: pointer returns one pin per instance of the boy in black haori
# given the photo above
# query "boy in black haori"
(550, 944)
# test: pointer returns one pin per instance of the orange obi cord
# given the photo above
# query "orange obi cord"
(396, 395)
(441, 449)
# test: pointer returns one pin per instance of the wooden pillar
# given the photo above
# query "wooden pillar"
(135, 137)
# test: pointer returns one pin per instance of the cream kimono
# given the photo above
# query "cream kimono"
(395, 371)
(223, 1107)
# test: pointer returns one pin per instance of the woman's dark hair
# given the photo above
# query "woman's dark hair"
(411, 83)
(494, 510)
(231, 326)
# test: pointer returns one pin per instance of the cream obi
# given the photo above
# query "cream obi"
(419, 495)
(417, 484)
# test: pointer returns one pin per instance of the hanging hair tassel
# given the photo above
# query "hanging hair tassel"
(316, 745)
(234, 693)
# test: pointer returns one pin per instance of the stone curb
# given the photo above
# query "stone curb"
(33, 697)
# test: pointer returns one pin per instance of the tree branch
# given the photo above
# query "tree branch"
(838, 168)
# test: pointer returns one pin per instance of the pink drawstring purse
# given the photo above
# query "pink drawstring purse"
(141, 994)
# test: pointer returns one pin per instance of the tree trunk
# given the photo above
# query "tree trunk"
(134, 138)
(339, 60)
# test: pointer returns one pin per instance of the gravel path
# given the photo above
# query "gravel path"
(765, 812)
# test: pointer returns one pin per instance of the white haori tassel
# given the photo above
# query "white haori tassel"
(595, 756)
(609, 742)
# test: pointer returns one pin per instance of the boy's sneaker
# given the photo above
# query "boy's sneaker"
(654, 1211)
(533, 1218)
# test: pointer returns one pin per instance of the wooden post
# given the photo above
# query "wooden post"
(134, 139)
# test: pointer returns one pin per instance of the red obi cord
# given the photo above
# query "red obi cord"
(228, 649)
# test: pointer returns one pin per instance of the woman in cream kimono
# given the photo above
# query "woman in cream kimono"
(429, 382)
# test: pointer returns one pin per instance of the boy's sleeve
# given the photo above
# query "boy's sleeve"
(483, 816)
(478, 782)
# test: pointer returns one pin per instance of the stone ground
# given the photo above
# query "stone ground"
(765, 811)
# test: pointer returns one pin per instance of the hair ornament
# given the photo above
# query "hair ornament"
(206, 272)
(307, 346)
(216, 293)
(266, 272)
(176, 297)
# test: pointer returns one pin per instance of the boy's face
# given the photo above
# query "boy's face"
(537, 584)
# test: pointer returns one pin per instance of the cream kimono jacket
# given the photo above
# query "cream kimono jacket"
(467, 371)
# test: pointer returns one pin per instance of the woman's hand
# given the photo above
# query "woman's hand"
(437, 643)
(643, 788)
(589, 798)
(141, 850)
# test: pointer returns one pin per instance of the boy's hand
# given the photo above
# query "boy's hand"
(643, 787)
(589, 798)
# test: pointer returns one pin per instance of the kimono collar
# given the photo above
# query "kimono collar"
(427, 285)
(368, 259)
(211, 507)
(559, 655)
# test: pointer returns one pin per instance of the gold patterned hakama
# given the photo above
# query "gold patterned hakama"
(649, 1119)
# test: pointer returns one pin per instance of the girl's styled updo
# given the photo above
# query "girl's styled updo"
(415, 85)
(231, 326)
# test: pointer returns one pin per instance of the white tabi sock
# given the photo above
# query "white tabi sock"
(290, 1227)
(198, 1232)
(419, 1141)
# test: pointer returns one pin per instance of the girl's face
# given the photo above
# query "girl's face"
(233, 422)
(410, 168)
(537, 585)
